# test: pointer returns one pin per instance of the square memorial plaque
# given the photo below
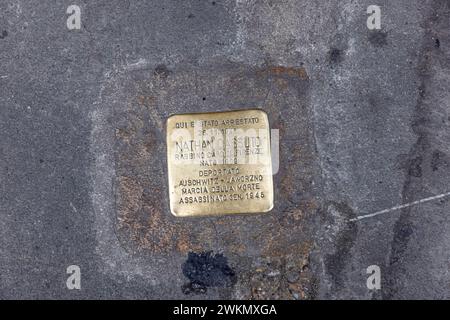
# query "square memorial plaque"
(219, 163)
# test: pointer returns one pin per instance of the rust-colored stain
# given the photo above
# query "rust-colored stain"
(144, 222)
(282, 277)
(282, 83)
(146, 101)
(299, 72)
(280, 238)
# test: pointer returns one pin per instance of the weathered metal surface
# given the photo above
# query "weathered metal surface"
(219, 163)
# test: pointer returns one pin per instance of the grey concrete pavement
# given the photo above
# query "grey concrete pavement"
(364, 120)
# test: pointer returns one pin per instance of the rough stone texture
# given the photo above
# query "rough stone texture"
(363, 118)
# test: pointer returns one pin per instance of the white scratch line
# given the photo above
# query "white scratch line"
(73, 207)
(406, 205)
(140, 64)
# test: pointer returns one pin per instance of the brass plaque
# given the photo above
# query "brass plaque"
(219, 163)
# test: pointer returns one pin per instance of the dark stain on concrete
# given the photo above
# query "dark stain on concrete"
(437, 43)
(205, 270)
(336, 262)
(415, 167)
(404, 227)
(335, 56)
(402, 234)
(378, 38)
(162, 71)
(439, 160)
(4, 34)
